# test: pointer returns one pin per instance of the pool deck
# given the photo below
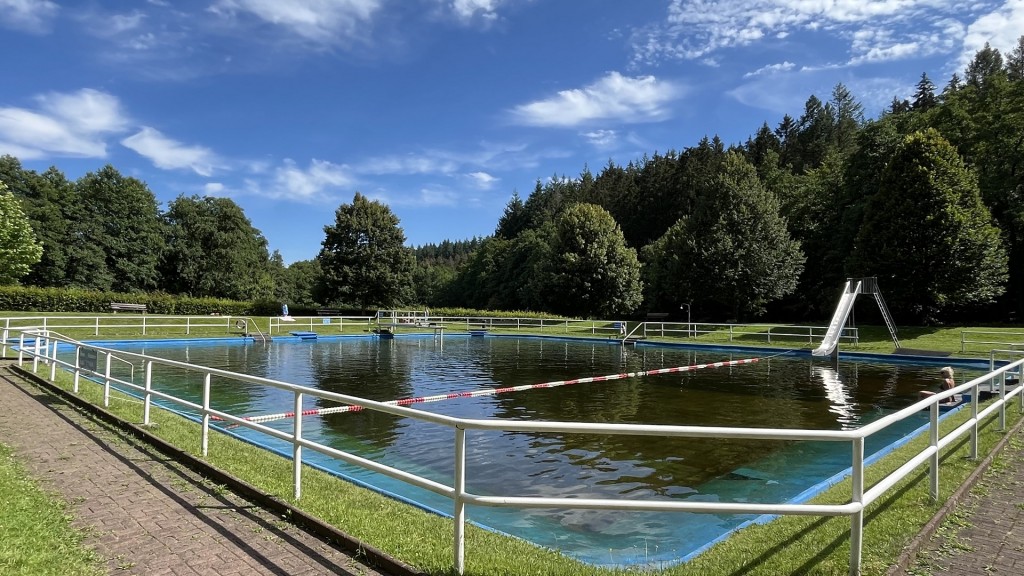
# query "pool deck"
(146, 513)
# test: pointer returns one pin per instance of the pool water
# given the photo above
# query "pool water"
(776, 392)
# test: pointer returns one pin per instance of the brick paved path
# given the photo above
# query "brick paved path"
(984, 534)
(146, 514)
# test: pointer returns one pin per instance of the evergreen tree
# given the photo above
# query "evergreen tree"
(363, 258)
(927, 236)
(924, 96)
(513, 220)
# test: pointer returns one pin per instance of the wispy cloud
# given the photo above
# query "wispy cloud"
(771, 69)
(614, 98)
(33, 16)
(692, 29)
(481, 180)
(601, 138)
(326, 22)
(170, 154)
(62, 124)
(1000, 28)
(320, 181)
(467, 10)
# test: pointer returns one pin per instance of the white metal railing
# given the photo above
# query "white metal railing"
(732, 332)
(42, 346)
(990, 339)
(111, 322)
(314, 323)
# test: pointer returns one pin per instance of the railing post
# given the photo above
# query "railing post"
(188, 325)
(296, 447)
(78, 370)
(206, 414)
(6, 330)
(1002, 403)
(97, 326)
(143, 324)
(148, 401)
(106, 383)
(857, 496)
(459, 516)
(21, 349)
(933, 439)
(974, 425)
(35, 357)
(53, 360)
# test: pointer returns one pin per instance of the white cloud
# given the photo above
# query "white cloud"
(466, 10)
(64, 124)
(1000, 28)
(601, 138)
(771, 69)
(28, 15)
(314, 183)
(170, 154)
(482, 180)
(612, 98)
(320, 21)
(693, 29)
(408, 164)
(213, 188)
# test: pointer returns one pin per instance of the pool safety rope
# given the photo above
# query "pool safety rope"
(493, 391)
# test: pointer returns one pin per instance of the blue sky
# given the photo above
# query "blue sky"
(439, 108)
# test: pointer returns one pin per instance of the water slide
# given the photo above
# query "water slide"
(835, 327)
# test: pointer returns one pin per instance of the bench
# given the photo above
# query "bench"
(128, 307)
(328, 312)
(657, 316)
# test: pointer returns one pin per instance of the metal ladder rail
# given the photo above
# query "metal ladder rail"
(887, 317)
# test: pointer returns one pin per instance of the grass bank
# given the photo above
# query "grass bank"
(36, 536)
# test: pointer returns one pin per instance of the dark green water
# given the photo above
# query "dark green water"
(779, 392)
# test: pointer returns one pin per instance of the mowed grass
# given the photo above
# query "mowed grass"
(789, 545)
(36, 536)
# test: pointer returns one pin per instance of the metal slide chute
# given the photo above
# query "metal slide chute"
(854, 286)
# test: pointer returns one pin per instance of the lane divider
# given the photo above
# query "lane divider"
(492, 391)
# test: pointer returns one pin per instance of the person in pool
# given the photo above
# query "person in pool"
(947, 384)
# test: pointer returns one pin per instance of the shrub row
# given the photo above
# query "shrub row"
(33, 299)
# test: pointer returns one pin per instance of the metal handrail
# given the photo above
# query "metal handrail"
(860, 497)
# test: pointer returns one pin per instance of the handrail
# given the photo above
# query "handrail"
(860, 496)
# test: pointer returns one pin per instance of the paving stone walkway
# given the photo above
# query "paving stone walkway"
(984, 533)
(148, 515)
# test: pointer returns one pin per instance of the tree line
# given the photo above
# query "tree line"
(926, 197)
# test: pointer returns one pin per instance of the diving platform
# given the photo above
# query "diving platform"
(304, 335)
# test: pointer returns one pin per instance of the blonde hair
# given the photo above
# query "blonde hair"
(946, 371)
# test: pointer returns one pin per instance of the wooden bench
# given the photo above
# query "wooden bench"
(657, 316)
(127, 307)
(328, 312)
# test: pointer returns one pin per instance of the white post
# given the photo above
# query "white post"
(296, 448)
(206, 414)
(1002, 403)
(52, 359)
(21, 349)
(97, 326)
(459, 484)
(35, 357)
(106, 383)
(78, 371)
(143, 323)
(188, 325)
(149, 392)
(933, 435)
(857, 496)
(974, 427)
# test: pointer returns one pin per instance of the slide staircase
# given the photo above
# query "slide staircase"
(854, 286)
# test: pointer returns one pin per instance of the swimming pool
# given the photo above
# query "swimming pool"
(778, 392)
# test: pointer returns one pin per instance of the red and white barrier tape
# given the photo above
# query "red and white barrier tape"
(493, 391)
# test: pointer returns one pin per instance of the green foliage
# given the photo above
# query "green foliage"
(592, 272)
(213, 250)
(120, 219)
(18, 247)
(927, 236)
(364, 259)
(73, 300)
(732, 256)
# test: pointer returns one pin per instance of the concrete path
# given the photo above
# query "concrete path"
(145, 514)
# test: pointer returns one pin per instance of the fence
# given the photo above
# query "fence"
(42, 347)
(1004, 339)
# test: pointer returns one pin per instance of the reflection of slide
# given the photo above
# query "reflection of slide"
(841, 403)
(835, 328)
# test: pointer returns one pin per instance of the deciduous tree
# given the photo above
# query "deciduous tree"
(18, 247)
